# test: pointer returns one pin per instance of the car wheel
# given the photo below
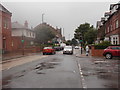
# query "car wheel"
(52, 53)
(43, 53)
(108, 56)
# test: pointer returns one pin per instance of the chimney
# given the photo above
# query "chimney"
(26, 24)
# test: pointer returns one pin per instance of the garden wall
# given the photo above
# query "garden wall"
(96, 52)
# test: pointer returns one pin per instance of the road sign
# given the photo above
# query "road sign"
(81, 40)
(22, 41)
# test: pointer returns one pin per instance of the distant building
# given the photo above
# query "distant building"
(57, 31)
(22, 34)
(110, 27)
(5, 26)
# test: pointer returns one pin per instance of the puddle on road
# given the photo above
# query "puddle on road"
(45, 65)
(41, 67)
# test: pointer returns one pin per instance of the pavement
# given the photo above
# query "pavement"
(8, 57)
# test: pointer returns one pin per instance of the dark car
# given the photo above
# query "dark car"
(112, 51)
(48, 50)
(57, 48)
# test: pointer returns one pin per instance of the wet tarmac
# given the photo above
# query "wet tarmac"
(63, 71)
(55, 71)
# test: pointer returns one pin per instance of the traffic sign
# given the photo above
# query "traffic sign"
(81, 40)
(22, 41)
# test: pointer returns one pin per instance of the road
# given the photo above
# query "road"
(58, 71)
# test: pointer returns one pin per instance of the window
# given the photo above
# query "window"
(113, 40)
(108, 29)
(116, 40)
(114, 48)
(6, 23)
(116, 24)
(105, 30)
(111, 27)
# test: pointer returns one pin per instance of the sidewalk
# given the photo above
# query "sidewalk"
(83, 54)
(9, 57)
(99, 72)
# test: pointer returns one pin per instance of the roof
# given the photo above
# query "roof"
(3, 9)
(16, 25)
(112, 5)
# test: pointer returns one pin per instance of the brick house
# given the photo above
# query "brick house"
(112, 29)
(22, 36)
(5, 25)
(109, 26)
(101, 32)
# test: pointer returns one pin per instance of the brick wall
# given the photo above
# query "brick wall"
(6, 31)
(96, 52)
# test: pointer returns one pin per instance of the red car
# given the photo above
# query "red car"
(112, 51)
(48, 50)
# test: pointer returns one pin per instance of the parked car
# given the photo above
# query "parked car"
(112, 51)
(76, 47)
(57, 48)
(68, 50)
(48, 50)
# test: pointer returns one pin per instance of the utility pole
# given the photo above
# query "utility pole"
(43, 17)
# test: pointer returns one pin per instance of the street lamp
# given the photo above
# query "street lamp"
(43, 17)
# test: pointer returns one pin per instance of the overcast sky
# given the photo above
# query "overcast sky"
(67, 15)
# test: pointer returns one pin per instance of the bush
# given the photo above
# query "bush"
(102, 45)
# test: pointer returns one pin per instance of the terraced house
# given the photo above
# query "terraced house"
(109, 26)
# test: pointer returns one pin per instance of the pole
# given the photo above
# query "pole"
(42, 17)
(22, 43)
(81, 47)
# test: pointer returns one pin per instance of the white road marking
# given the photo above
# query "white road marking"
(83, 80)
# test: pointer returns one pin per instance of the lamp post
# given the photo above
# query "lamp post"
(43, 17)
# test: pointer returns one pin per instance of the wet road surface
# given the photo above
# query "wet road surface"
(54, 71)
(64, 71)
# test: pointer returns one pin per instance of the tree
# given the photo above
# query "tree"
(68, 42)
(83, 28)
(43, 34)
(90, 36)
(74, 42)
(83, 32)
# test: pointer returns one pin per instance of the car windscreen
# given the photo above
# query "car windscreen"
(115, 48)
(47, 47)
(68, 48)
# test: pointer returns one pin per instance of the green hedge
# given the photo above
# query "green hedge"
(101, 46)
(104, 45)
(0, 51)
